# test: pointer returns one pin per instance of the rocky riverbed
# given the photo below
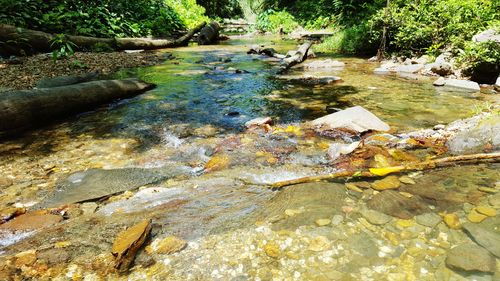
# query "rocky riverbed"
(182, 157)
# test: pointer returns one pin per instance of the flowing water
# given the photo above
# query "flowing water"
(204, 95)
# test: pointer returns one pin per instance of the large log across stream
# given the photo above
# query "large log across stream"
(20, 110)
(16, 39)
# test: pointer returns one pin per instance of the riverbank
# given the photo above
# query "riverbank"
(25, 72)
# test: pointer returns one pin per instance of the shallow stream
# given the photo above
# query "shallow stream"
(197, 112)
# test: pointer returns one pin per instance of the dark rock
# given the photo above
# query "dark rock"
(332, 109)
(394, 204)
(470, 257)
(232, 113)
(443, 69)
(488, 239)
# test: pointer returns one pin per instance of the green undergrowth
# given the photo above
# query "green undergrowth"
(104, 18)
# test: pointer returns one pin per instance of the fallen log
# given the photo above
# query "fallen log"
(296, 58)
(209, 34)
(20, 110)
(378, 172)
(16, 40)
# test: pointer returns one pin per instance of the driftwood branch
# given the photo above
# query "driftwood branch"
(297, 58)
(430, 164)
(13, 40)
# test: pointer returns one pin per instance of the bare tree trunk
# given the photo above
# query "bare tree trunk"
(20, 110)
(15, 40)
(383, 40)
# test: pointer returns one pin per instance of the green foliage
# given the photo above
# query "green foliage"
(274, 21)
(426, 26)
(349, 40)
(190, 13)
(64, 48)
(100, 18)
(222, 8)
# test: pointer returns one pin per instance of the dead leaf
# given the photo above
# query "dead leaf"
(128, 242)
(217, 162)
(386, 170)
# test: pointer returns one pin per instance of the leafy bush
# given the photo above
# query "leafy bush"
(427, 26)
(222, 8)
(101, 18)
(190, 13)
(350, 40)
(274, 21)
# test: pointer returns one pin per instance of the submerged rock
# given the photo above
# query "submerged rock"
(354, 118)
(490, 240)
(97, 183)
(428, 219)
(394, 204)
(470, 257)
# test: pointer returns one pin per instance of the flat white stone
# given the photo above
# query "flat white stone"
(355, 118)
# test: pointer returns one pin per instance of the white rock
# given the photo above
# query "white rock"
(462, 84)
(381, 70)
(259, 121)
(498, 82)
(337, 149)
(328, 63)
(412, 68)
(355, 118)
(439, 82)
(487, 35)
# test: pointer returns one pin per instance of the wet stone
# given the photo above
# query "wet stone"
(486, 210)
(475, 216)
(323, 222)
(494, 200)
(489, 239)
(31, 222)
(390, 182)
(470, 257)
(428, 219)
(272, 250)
(374, 217)
(452, 221)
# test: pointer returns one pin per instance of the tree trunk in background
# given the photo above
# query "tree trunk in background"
(20, 110)
(209, 34)
(383, 40)
(18, 40)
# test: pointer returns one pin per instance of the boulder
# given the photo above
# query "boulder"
(443, 68)
(412, 68)
(476, 136)
(462, 84)
(487, 35)
(470, 257)
(354, 118)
